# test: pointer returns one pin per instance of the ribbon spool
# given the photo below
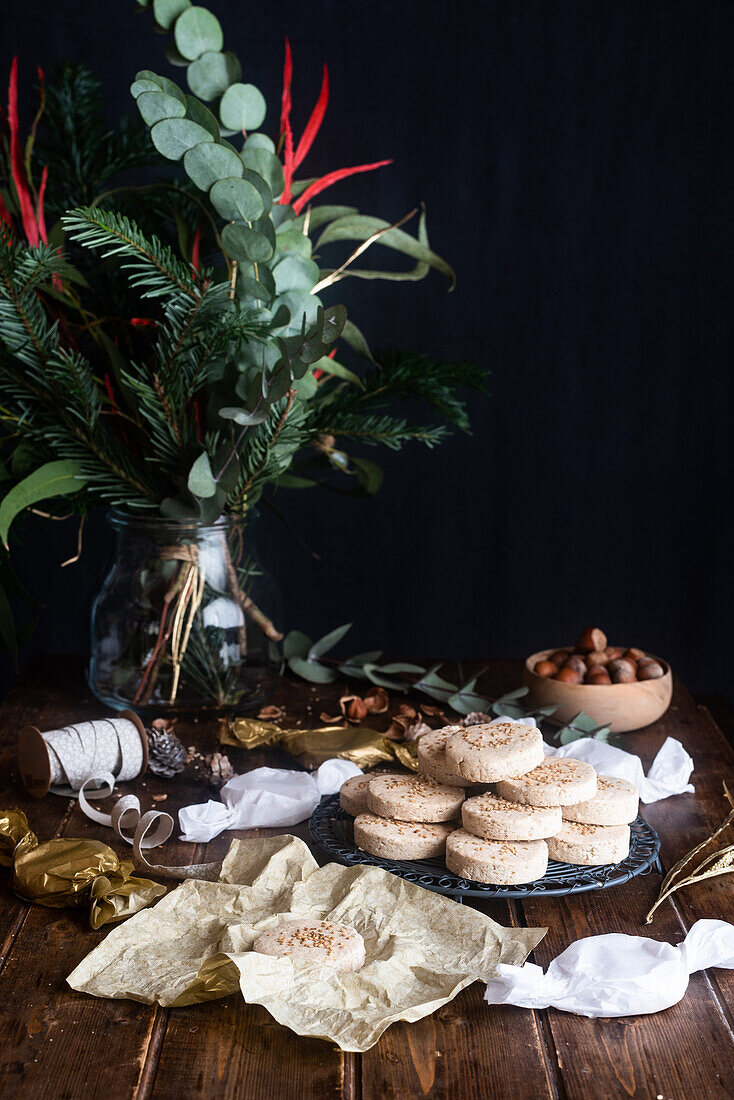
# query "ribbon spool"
(63, 760)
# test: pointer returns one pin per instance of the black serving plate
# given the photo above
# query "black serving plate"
(331, 829)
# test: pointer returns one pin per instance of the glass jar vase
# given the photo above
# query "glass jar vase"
(186, 619)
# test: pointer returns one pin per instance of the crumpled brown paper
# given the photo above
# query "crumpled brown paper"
(364, 747)
(196, 945)
(67, 872)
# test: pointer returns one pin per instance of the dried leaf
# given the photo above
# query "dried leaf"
(720, 862)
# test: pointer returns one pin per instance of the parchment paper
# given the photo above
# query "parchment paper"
(195, 945)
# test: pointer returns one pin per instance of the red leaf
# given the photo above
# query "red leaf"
(286, 131)
(330, 178)
(39, 207)
(5, 214)
(314, 123)
(16, 161)
(195, 249)
(143, 322)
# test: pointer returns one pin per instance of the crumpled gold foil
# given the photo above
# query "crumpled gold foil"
(67, 872)
(196, 945)
(364, 747)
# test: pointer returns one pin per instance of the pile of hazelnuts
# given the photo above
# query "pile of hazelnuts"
(592, 661)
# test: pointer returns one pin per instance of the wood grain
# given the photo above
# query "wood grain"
(59, 1044)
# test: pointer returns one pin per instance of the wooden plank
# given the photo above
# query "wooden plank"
(465, 1050)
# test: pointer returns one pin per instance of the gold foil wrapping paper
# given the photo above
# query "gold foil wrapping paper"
(364, 747)
(196, 945)
(66, 872)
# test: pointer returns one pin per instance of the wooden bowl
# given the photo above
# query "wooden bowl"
(624, 707)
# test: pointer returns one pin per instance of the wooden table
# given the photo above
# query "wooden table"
(59, 1044)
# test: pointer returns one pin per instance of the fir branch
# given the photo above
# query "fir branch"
(156, 272)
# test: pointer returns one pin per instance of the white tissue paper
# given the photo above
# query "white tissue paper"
(264, 798)
(615, 975)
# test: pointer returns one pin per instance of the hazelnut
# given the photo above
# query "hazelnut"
(592, 640)
(545, 668)
(650, 670)
(559, 657)
(568, 675)
(613, 652)
(597, 675)
(597, 659)
(621, 671)
(633, 654)
(577, 663)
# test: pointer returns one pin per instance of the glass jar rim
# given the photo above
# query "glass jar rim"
(156, 522)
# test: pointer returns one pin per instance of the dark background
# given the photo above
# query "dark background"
(576, 163)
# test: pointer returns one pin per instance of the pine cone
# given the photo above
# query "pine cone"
(166, 755)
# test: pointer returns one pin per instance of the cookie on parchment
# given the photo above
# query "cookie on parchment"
(381, 836)
(318, 941)
(497, 862)
(497, 750)
(558, 781)
(494, 818)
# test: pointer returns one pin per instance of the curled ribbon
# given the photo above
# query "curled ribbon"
(142, 831)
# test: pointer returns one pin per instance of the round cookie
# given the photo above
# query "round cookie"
(498, 862)
(353, 792)
(497, 750)
(558, 781)
(401, 839)
(590, 845)
(318, 941)
(494, 818)
(432, 757)
(413, 798)
(615, 803)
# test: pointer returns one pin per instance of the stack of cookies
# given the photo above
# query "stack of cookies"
(518, 807)
(401, 816)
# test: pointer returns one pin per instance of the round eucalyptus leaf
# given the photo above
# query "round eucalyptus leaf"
(261, 274)
(175, 58)
(172, 137)
(236, 200)
(197, 31)
(266, 165)
(139, 86)
(197, 112)
(265, 226)
(305, 387)
(242, 107)
(154, 106)
(166, 12)
(250, 290)
(260, 141)
(298, 304)
(261, 186)
(211, 161)
(212, 73)
(293, 240)
(170, 87)
(295, 272)
(243, 243)
(282, 213)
